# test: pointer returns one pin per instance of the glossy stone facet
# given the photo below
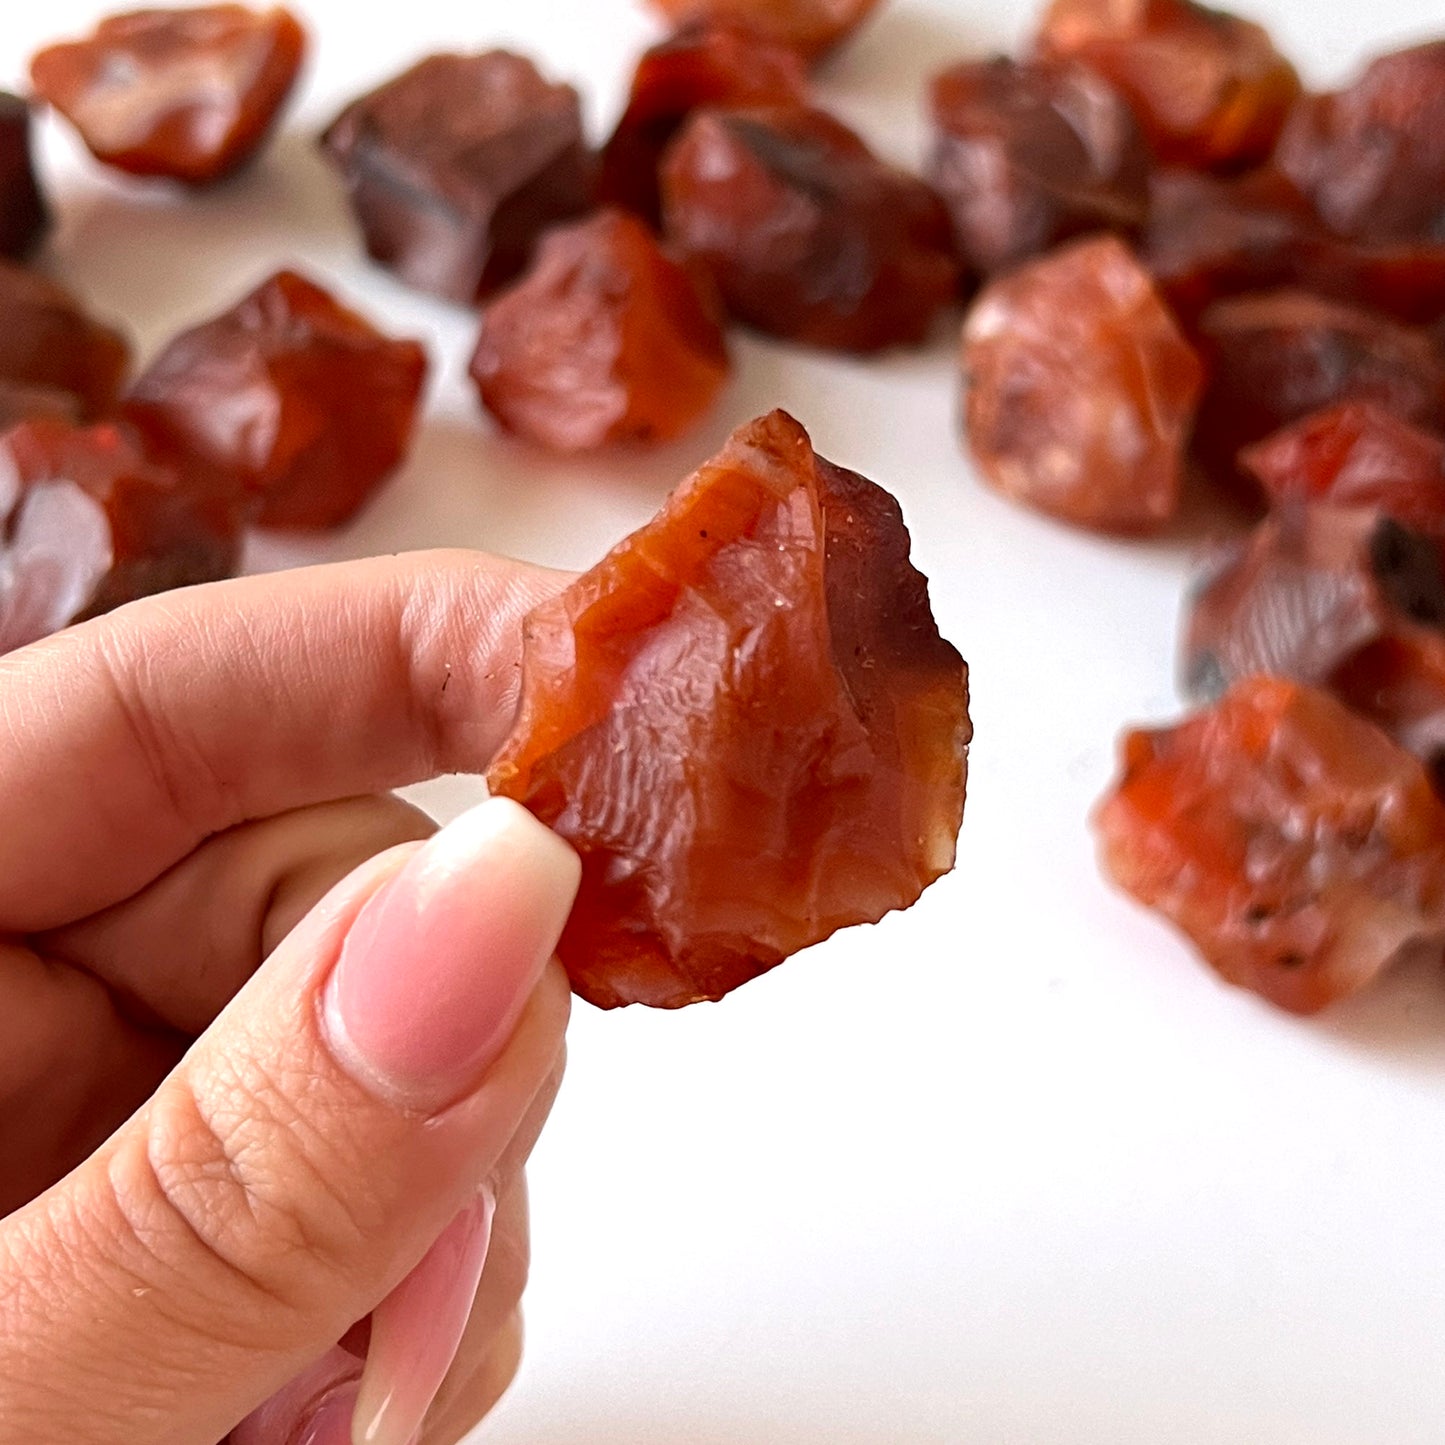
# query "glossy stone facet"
(1209, 238)
(605, 339)
(1297, 846)
(1314, 585)
(456, 166)
(810, 27)
(806, 232)
(88, 521)
(745, 721)
(702, 65)
(1356, 454)
(1079, 390)
(1275, 357)
(24, 216)
(1372, 157)
(1026, 155)
(49, 343)
(301, 401)
(189, 93)
(1209, 88)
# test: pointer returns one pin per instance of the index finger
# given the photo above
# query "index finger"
(127, 741)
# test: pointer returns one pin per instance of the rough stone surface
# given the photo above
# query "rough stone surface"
(1079, 389)
(606, 339)
(301, 401)
(1294, 843)
(456, 166)
(746, 722)
(190, 93)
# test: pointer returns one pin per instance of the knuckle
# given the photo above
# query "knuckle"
(230, 1185)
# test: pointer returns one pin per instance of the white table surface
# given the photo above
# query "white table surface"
(1011, 1169)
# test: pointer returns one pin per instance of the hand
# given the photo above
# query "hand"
(268, 1060)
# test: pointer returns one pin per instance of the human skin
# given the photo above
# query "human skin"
(231, 1161)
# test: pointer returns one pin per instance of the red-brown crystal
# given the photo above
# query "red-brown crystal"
(1079, 389)
(1274, 358)
(87, 522)
(1209, 238)
(1210, 89)
(1372, 158)
(606, 339)
(456, 166)
(1314, 585)
(23, 213)
(745, 721)
(806, 232)
(1297, 846)
(1356, 454)
(301, 401)
(810, 27)
(1026, 155)
(702, 65)
(49, 343)
(189, 93)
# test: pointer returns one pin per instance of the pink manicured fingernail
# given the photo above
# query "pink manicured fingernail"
(438, 965)
(416, 1329)
(330, 1422)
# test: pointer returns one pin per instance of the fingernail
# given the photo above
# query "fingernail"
(438, 965)
(416, 1330)
(330, 1422)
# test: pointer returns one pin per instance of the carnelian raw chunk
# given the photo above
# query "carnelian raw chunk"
(810, 27)
(1372, 158)
(23, 213)
(745, 721)
(1210, 89)
(1276, 357)
(806, 232)
(1356, 454)
(48, 342)
(456, 166)
(702, 65)
(1313, 585)
(301, 401)
(1298, 846)
(606, 339)
(1398, 682)
(88, 521)
(1210, 237)
(1026, 155)
(1079, 390)
(190, 93)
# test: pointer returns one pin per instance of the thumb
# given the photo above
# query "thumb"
(352, 1100)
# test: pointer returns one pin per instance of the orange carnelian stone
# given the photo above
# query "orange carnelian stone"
(806, 232)
(810, 27)
(1398, 682)
(1297, 846)
(301, 401)
(1277, 356)
(606, 339)
(23, 213)
(1080, 390)
(703, 65)
(49, 344)
(1026, 155)
(1356, 454)
(1313, 586)
(1209, 88)
(456, 166)
(1372, 158)
(188, 93)
(88, 521)
(1209, 238)
(745, 721)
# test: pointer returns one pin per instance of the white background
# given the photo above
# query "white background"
(1011, 1169)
